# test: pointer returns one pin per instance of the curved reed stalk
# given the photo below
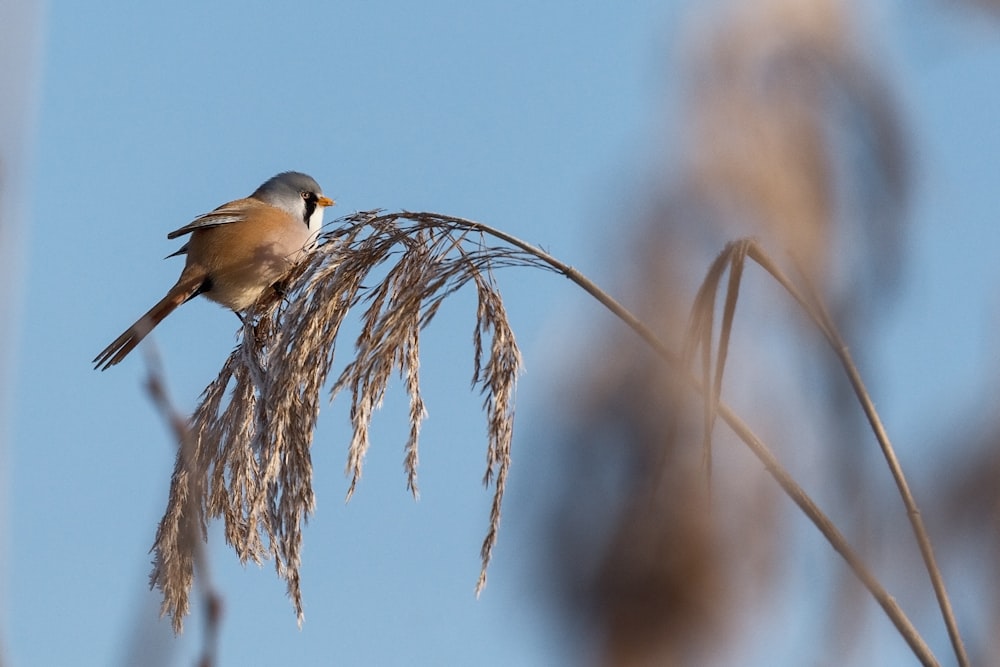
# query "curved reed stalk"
(250, 463)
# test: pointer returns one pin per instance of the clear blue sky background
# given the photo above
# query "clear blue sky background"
(541, 118)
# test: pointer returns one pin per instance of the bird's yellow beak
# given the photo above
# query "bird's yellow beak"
(324, 202)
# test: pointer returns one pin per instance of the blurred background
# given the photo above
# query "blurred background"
(632, 140)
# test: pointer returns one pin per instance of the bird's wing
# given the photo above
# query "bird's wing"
(178, 253)
(224, 215)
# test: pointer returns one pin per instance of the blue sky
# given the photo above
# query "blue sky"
(544, 119)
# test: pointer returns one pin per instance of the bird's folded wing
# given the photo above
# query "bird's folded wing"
(220, 216)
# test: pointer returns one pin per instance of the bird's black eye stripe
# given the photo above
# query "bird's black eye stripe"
(311, 200)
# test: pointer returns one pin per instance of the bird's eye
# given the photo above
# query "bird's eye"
(306, 195)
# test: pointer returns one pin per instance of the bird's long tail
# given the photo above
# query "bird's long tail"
(121, 346)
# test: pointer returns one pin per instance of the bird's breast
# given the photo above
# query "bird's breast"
(242, 259)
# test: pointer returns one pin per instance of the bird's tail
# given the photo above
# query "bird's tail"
(125, 343)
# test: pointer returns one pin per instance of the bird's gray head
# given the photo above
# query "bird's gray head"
(298, 194)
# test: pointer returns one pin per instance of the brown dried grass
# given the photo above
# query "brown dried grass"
(247, 458)
(249, 463)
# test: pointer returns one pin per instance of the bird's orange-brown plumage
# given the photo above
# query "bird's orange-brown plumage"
(235, 253)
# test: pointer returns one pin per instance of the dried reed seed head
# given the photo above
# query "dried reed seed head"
(249, 463)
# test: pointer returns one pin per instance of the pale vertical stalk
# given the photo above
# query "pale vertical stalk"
(817, 311)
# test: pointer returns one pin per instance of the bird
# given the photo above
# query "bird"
(236, 252)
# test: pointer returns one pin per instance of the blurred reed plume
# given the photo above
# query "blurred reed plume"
(794, 135)
(190, 548)
(250, 464)
(790, 140)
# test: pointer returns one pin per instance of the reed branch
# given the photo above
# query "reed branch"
(756, 445)
(250, 462)
(811, 302)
